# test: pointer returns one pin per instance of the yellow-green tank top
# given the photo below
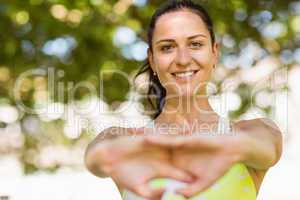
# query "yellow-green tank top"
(236, 184)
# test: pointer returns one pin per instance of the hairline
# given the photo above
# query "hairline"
(197, 12)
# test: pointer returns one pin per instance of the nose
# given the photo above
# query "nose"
(183, 57)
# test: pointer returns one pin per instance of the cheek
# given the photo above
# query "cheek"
(162, 65)
(204, 58)
(204, 75)
(162, 62)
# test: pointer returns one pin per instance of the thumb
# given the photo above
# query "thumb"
(168, 171)
(147, 192)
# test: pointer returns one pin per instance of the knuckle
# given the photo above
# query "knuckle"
(136, 190)
(194, 189)
(142, 192)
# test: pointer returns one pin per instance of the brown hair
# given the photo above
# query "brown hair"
(155, 87)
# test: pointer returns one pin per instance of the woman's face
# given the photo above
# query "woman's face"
(182, 55)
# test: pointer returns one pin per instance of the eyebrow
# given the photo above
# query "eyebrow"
(171, 40)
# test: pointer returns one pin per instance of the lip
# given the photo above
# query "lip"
(195, 70)
(184, 79)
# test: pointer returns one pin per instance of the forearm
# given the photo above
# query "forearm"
(260, 143)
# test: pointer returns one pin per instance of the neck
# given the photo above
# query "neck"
(187, 110)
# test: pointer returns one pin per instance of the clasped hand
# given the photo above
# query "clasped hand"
(199, 160)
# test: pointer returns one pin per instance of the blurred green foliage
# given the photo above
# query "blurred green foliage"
(33, 23)
(27, 25)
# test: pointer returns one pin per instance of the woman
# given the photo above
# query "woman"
(181, 57)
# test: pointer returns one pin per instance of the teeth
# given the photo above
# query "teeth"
(184, 74)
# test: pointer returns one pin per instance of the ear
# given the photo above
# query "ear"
(150, 59)
(216, 51)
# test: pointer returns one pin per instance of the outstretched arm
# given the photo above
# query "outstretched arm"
(91, 152)
(260, 146)
(256, 143)
(95, 149)
(130, 161)
(260, 143)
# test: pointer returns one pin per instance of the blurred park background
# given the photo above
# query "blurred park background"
(58, 86)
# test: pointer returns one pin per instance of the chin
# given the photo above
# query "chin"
(185, 93)
(183, 90)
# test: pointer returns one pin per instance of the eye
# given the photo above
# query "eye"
(196, 44)
(166, 48)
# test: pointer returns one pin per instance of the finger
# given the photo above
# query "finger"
(145, 191)
(197, 187)
(124, 146)
(198, 141)
(175, 141)
(165, 141)
(168, 171)
(190, 141)
(192, 189)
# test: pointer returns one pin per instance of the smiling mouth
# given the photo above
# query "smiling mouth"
(185, 75)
